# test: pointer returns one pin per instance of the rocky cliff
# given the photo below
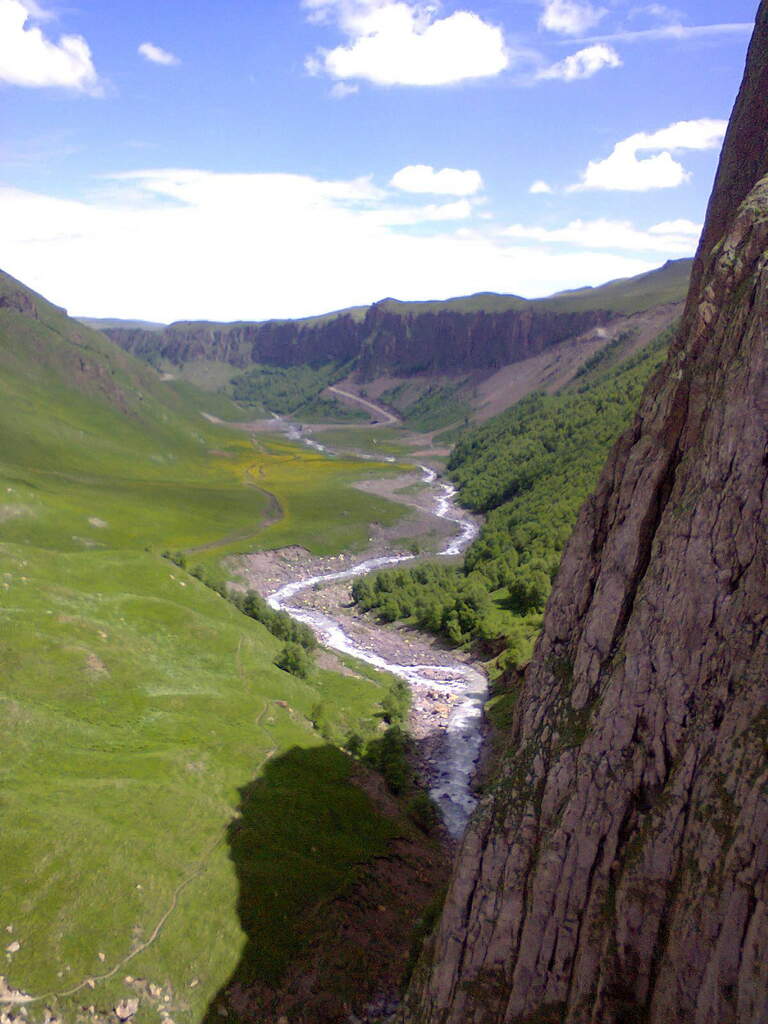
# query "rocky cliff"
(380, 342)
(617, 870)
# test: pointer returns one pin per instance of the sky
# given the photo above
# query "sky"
(258, 159)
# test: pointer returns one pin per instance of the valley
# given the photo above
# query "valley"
(297, 806)
(129, 499)
(384, 551)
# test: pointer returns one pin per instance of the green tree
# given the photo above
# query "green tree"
(294, 659)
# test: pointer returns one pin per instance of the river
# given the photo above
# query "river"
(463, 686)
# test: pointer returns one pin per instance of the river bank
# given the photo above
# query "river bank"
(448, 691)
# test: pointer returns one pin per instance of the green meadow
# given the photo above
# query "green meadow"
(149, 737)
(137, 704)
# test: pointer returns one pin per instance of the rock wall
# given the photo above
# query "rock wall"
(617, 870)
(444, 342)
(381, 342)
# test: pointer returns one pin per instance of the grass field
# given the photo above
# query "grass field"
(383, 440)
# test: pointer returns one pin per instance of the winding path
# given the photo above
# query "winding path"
(389, 417)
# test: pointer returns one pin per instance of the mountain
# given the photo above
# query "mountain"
(617, 870)
(481, 332)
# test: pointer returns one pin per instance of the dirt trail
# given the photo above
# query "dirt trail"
(389, 417)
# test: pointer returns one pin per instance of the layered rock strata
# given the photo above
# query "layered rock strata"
(617, 871)
(381, 342)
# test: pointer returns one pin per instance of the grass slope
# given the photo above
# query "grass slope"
(139, 705)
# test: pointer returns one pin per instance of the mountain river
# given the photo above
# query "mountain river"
(463, 687)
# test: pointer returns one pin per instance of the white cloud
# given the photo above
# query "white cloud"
(583, 64)
(677, 227)
(393, 42)
(675, 32)
(661, 11)
(37, 12)
(540, 188)
(412, 215)
(569, 17)
(625, 171)
(421, 178)
(675, 238)
(311, 245)
(340, 90)
(28, 58)
(155, 55)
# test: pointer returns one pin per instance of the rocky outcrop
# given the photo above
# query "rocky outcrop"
(617, 871)
(379, 343)
(19, 300)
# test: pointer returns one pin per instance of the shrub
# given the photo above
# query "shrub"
(422, 811)
(294, 659)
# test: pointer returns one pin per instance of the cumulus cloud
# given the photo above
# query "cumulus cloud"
(675, 238)
(28, 58)
(569, 17)
(393, 42)
(540, 188)
(583, 64)
(421, 178)
(173, 244)
(626, 171)
(155, 55)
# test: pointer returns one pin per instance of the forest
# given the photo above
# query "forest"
(529, 470)
(295, 390)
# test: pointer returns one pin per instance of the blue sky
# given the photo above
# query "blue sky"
(248, 160)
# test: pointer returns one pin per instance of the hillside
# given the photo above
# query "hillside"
(150, 730)
(617, 869)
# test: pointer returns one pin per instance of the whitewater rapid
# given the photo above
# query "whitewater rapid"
(465, 685)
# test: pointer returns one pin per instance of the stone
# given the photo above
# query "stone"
(126, 1009)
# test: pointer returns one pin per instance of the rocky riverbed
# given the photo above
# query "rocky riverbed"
(447, 689)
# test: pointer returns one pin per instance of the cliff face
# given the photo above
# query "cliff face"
(617, 871)
(382, 342)
(444, 342)
(278, 343)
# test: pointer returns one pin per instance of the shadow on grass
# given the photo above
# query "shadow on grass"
(315, 859)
